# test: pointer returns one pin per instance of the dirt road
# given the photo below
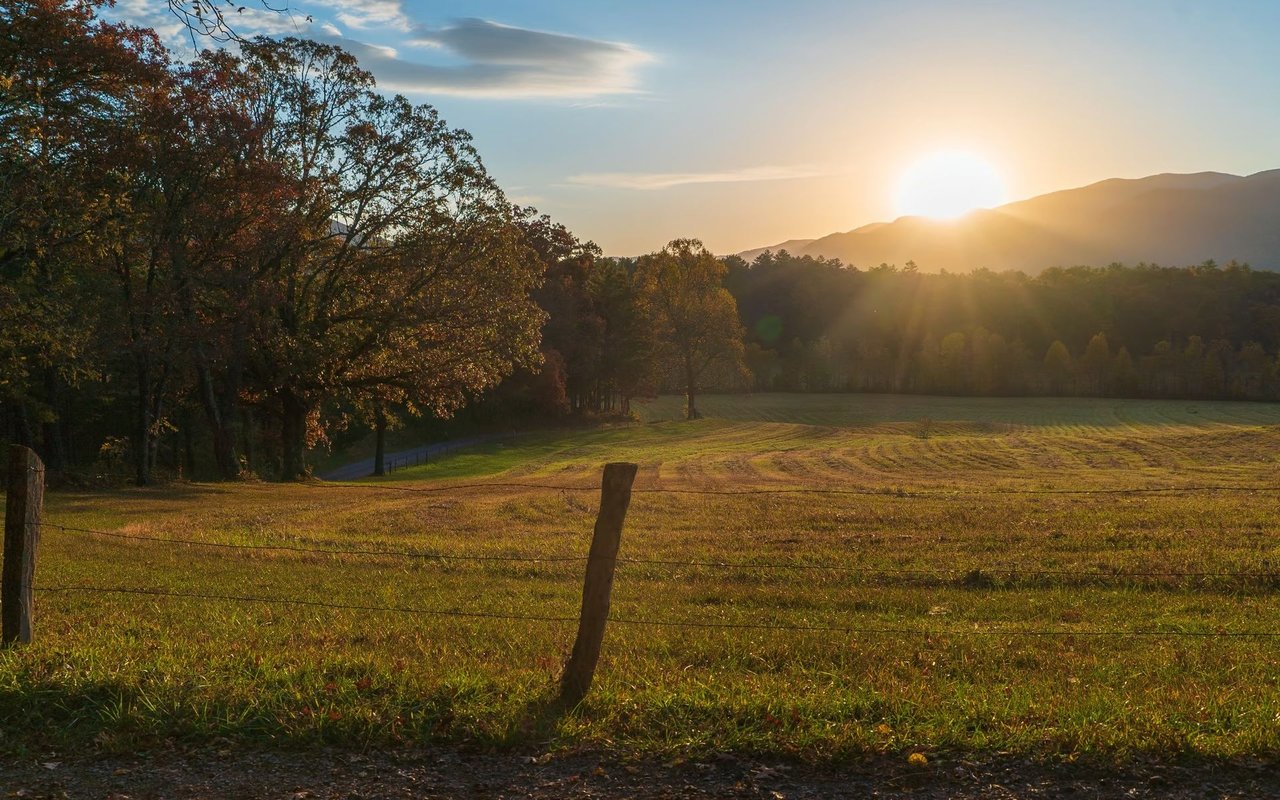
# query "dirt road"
(326, 774)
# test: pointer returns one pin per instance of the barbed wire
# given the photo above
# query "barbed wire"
(943, 493)
(664, 623)
(312, 550)
(302, 602)
(987, 571)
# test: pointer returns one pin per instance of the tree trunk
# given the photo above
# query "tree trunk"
(248, 429)
(222, 428)
(380, 445)
(22, 426)
(51, 431)
(691, 410)
(293, 436)
(188, 448)
(220, 412)
(142, 427)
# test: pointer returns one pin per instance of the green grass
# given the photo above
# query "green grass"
(125, 670)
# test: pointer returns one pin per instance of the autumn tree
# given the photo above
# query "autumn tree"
(64, 78)
(408, 279)
(574, 329)
(207, 210)
(694, 318)
(1058, 367)
(1096, 364)
(629, 351)
(1124, 376)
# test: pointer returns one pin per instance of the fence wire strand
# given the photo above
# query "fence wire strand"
(312, 550)
(943, 493)
(662, 623)
(745, 566)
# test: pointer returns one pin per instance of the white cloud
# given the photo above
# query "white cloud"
(649, 181)
(149, 14)
(247, 21)
(262, 22)
(504, 61)
(478, 58)
(366, 14)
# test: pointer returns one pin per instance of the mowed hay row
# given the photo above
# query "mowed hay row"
(784, 588)
(853, 410)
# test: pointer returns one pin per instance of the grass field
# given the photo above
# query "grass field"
(985, 571)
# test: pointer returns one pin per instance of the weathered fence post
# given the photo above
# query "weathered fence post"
(24, 502)
(615, 496)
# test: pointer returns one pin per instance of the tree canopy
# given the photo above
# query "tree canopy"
(260, 238)
(693, 317)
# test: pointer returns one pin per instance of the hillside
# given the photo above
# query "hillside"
(1166, 219)
(791, 246)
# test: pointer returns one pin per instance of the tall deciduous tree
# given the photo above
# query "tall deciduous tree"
(1096, 363)
(1058, 367)
(64, 76)
(408, 281)
(692, 314)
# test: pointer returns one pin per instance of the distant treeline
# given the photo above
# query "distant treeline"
(1144, 331)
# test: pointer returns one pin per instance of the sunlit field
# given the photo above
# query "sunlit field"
(1053, 577)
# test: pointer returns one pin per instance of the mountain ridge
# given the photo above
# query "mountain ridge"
(1168, 218)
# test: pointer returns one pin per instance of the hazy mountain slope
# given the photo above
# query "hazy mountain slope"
(791, 246)
(1167, 219)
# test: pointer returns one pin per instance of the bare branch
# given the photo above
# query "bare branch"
(216, 19)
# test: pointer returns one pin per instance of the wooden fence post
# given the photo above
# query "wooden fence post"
(24, 502)
(615, 496)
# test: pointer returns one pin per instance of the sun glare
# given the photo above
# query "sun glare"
(949, 184)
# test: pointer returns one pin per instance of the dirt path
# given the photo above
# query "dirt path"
(452, 773)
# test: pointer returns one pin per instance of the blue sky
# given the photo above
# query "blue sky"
(747, 123)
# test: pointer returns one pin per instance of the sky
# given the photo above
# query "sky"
(745, 123)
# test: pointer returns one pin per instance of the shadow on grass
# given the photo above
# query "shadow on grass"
(83, 500)
(114, 719)
(111, 724)
(540, 719)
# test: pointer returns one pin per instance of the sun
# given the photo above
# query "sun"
(948, 184)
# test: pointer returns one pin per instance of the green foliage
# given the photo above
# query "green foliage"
(64, 80)
(692, 316)
(885, 329)
(599, 348)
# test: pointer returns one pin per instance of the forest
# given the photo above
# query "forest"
(211, 269)
(1206, 331)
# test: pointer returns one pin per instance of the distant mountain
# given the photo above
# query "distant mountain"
(1168, 219)
(791, 246)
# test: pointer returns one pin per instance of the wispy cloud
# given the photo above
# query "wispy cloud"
(247, 21)
(367, 14)
(503, 61)
(469, 57)
(649, 181)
